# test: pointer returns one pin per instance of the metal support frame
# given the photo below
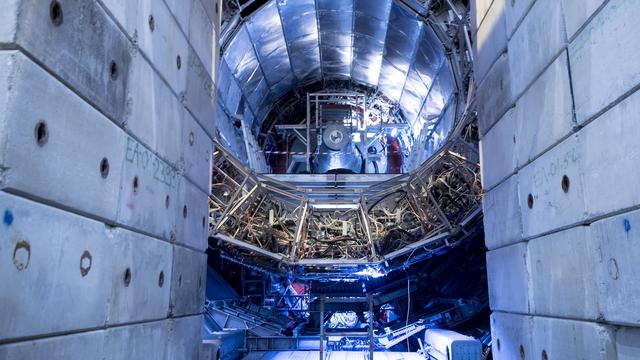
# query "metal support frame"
(308, 193)
(370, 298)
(322, 300)
(289, 193)
(233, 199)
(367, 228)
(308, 134)
(298, 237)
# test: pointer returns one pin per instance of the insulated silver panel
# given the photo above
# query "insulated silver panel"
(370, 23)
(286, 45)
(403, 38)
(301, 33)
(265, 29)
(335, 25)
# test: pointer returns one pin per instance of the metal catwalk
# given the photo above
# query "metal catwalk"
(333, 355)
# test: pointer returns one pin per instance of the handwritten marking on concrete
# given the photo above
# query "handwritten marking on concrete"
(555, 168)
(145, 160)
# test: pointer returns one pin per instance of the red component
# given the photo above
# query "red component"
(394, 155)
(278, 158)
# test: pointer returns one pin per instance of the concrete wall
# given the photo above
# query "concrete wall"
(106, 127)
(558, 113)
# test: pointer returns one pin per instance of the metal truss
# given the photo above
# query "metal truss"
(324, 226)
(341, 226)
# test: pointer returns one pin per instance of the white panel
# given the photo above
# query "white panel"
(479, 10)
(544, 112)
(193, 221)
(509, 333)
(542, 181)
(628, 343)
(201, 32)
(9, 21)
(76, 140)
(144, 293)
(154, 113)
(576, 13)
(611, 158)
(564, 267)
(502, 220)
(604, 58)
(162, 43)
(142, 341)
(494, 95)
(568, 339)
(54, 269)
(185, 338)
(197, 150)
(147, 183)
(535, 43)
(199, 94)
(618, 243)
(516, 10)
(181, 10)
(508, 270)
(83, 47)
(188, 281)
(491, 39)
(89, 345)
(499, 155)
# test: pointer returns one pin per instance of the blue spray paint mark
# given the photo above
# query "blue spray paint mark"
(7, 218)
(627, 225)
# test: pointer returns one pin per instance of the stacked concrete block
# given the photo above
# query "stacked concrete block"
(106, 136)
(557, 114)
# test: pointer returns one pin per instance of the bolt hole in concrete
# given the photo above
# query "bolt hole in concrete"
(104, 168)
(184, 211)
(522, 355)
(204, 222)
(178, 62)
(41, 133)
(114, 70)
(86, 261)
(166, 202)
(161, 279)
(152, 23)
(136, 184)
(180, 280)
(566, 183)
(530, 201)
(22, 255)
(55, 12)
(544, 355)
(127, 277)
(192, 138)
(498, 344)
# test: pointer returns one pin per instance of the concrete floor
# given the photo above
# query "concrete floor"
(334, 355)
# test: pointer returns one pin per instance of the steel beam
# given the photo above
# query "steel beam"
(298, 237)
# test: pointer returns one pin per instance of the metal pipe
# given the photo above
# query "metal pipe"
(367, 229)
(236, 206)
(231, 201)
(322, 298)
(242, 244)
(308, 134)
(370, 332)
(298, 238)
